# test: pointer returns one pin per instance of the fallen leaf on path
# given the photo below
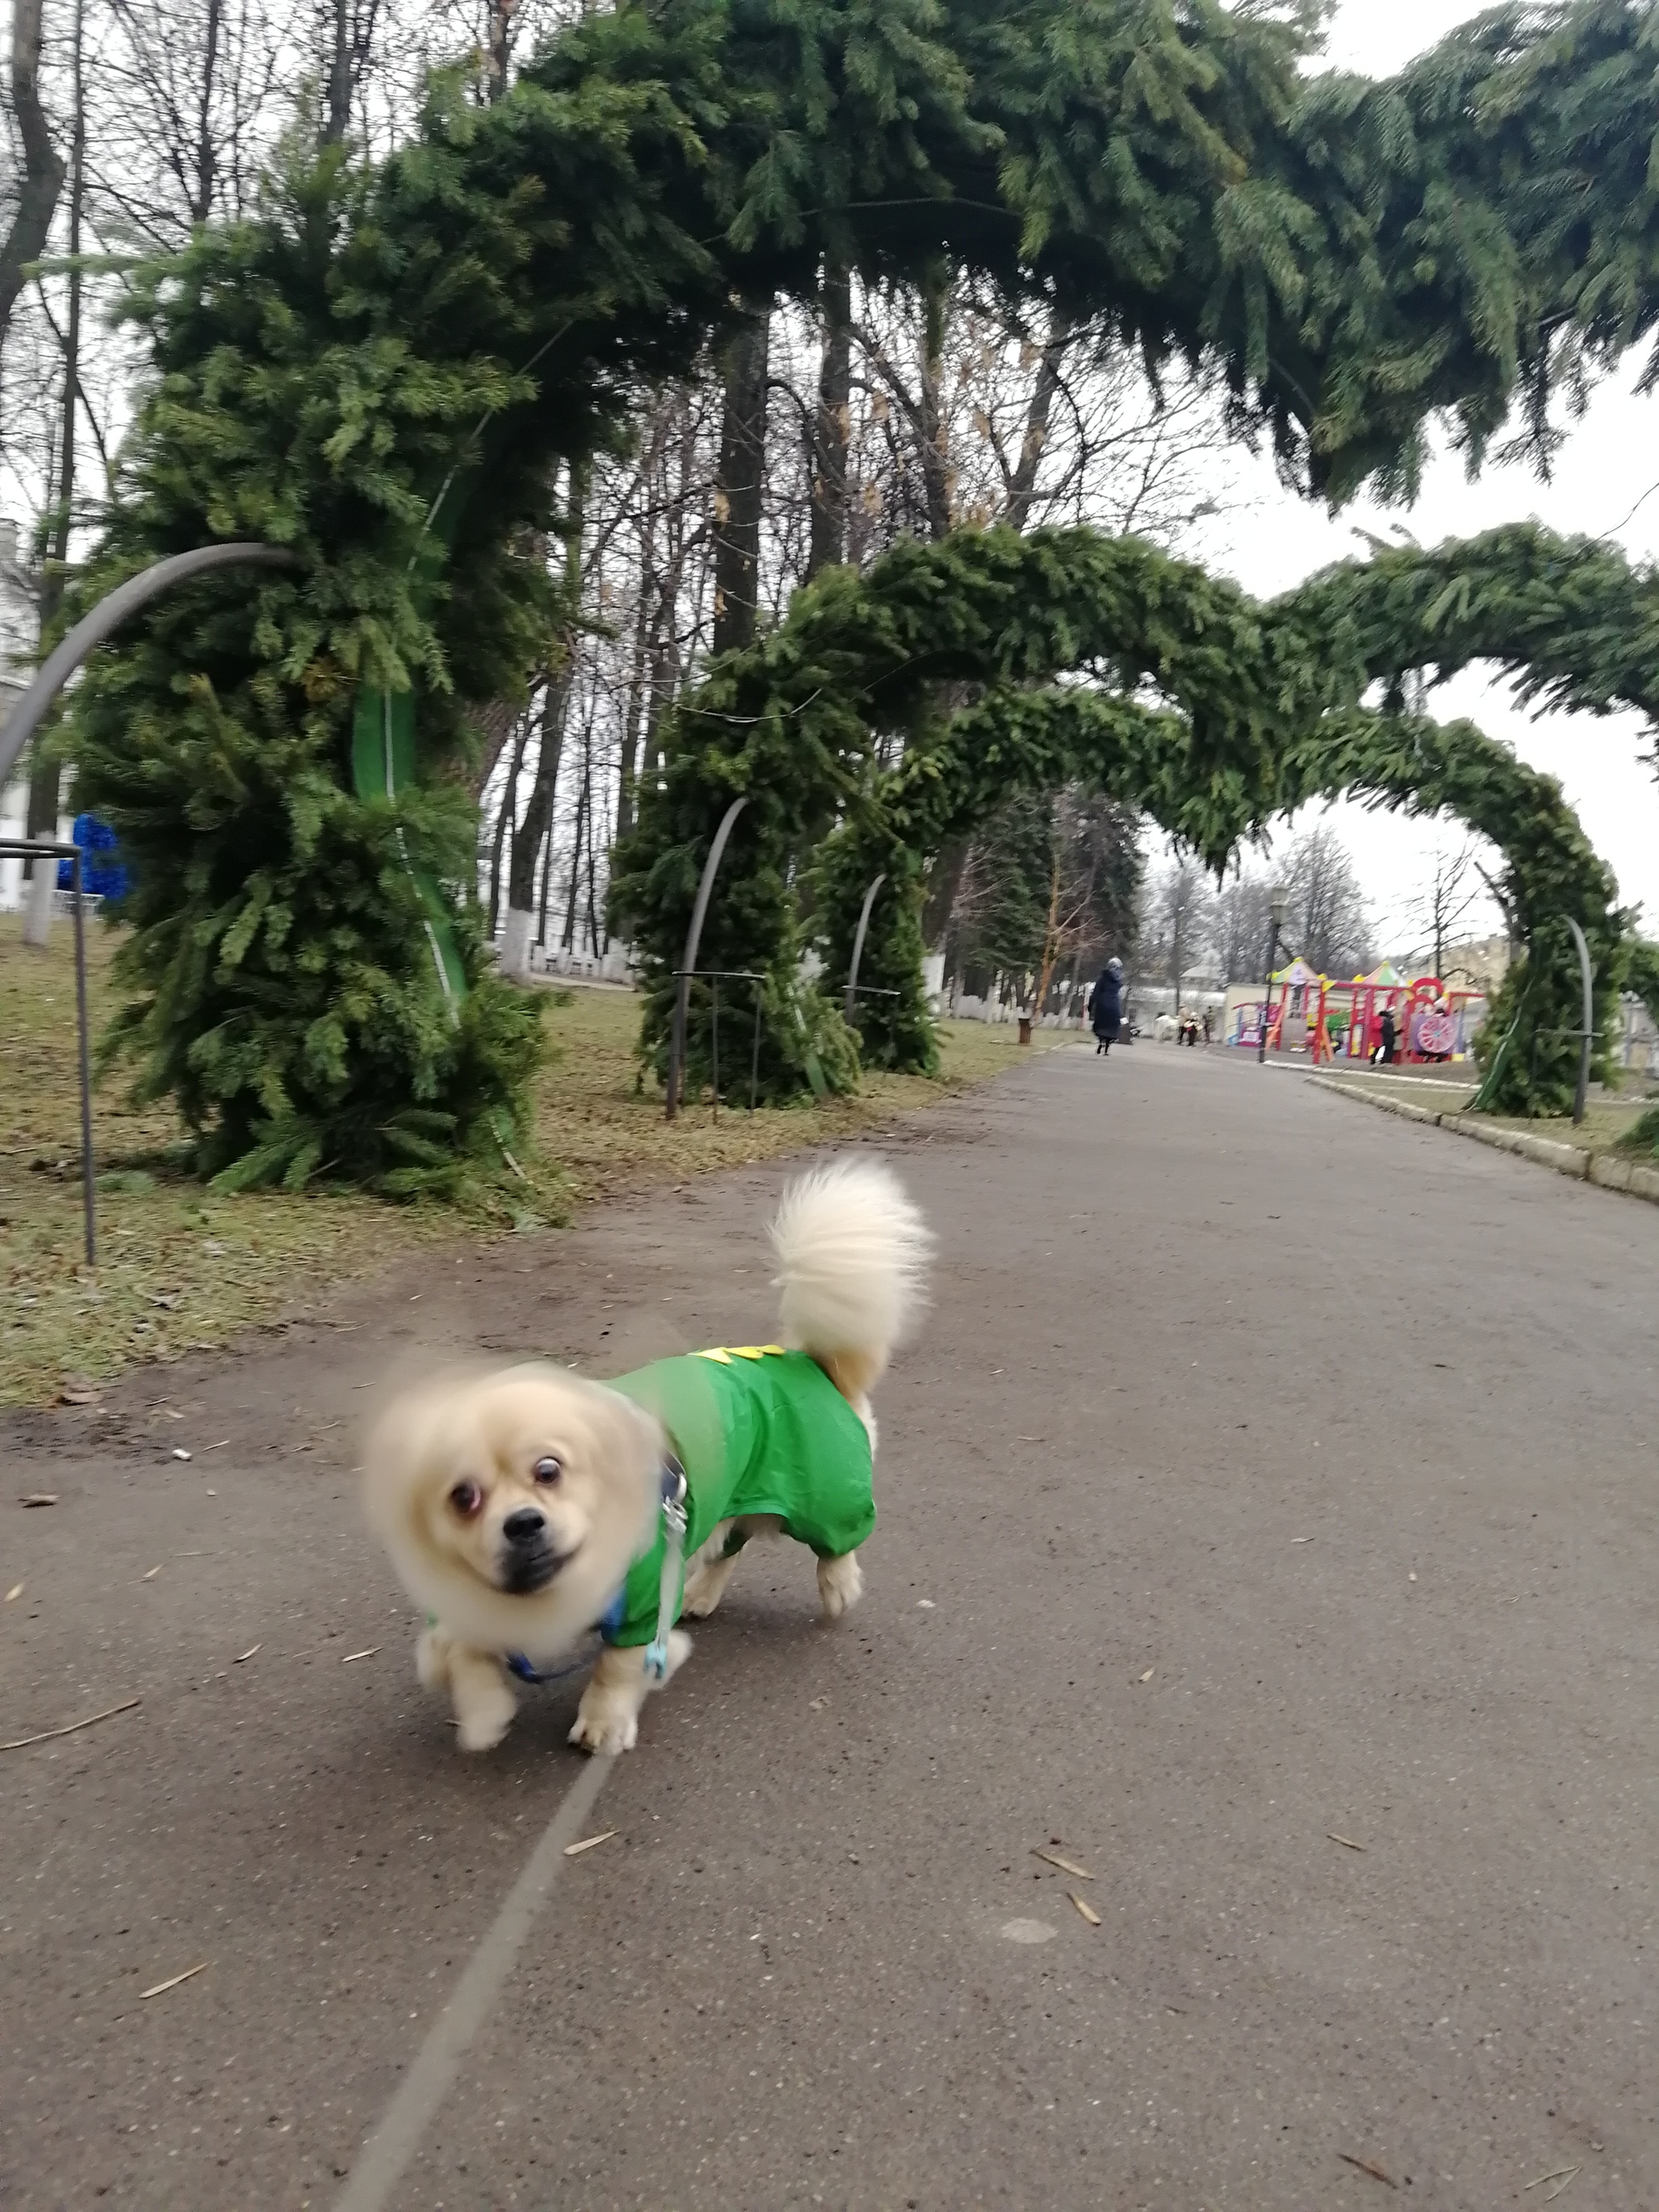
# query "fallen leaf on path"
(1562, 2176)
(1149, 1674)
(16, 1590)
(189, 1974)
(18, 1743)
(1347, 1842)
(151, 1576)
(588, 1844)
(366, 1653)
(248, 1654)
(1066, 1866)
(1302, 1539)
(1364, 2165)
(1085, 1908)
(38, 1497)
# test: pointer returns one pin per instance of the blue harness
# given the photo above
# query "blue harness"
(671, 1506)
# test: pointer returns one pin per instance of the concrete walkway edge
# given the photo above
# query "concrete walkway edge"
(1608, 1172)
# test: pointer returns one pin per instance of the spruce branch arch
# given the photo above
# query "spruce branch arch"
(1212, 712)
(386, 372)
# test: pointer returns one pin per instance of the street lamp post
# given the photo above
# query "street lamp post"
(1276, 903)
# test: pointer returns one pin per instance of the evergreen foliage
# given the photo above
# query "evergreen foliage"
(1212, 712)
(385, 372)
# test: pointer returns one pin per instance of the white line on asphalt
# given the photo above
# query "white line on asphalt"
(386, 2157)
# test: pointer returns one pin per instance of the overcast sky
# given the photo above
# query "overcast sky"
(1610, 462)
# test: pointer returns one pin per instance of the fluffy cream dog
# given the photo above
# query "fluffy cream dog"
(526, 1508)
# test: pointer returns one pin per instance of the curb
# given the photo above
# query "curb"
(1608, 1171)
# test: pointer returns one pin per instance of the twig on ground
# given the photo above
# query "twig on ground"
(162, 1988)
(1365, 2166)
(588, 1844)
(1066, 1866)
(19, 1743)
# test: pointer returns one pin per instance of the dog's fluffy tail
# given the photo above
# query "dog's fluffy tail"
(853, 1254)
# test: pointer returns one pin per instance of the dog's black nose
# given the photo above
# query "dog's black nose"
(527, 1526)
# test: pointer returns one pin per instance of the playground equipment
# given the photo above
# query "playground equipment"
(1331, 1021)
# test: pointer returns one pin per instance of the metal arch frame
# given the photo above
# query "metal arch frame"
(1587, 1034)
(689, 960)
(106, 617)
(850, 998)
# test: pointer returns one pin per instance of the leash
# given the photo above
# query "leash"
(673, 1554)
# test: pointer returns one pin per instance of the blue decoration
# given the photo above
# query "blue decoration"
(107, 881)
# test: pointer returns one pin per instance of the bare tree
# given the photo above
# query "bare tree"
(832, 425)
(1327, 920)
(741, 487)
(1178, 918)
(1443, 901)
(1238, 929)
(41, 180)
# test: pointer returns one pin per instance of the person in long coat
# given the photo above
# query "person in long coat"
(1106, 1005)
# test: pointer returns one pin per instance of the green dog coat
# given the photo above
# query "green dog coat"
(757, 1430)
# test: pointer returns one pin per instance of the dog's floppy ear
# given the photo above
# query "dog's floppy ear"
(399, 1435)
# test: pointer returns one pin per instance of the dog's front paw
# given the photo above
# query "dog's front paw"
(841, 1585)
(484, 1706)
(485, 1722)
(606, 1720)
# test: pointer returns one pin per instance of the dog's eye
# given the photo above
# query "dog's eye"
(548, 1470)
(466, 1498)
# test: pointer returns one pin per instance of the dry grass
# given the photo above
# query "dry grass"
(1606, 1120)
(179, 1269)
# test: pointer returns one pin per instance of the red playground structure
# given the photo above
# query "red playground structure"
(1306, 1011)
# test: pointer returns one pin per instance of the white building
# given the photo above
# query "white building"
(19, 630)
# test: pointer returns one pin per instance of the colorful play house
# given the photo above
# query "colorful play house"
(1307, 1013)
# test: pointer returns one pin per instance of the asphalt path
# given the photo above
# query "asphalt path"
(1269, 1527)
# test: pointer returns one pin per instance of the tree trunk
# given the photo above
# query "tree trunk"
(936, 474)
(569, 939)
(1023, 486)
(1050, 934)
(831, 430)
(353, 43)
(740, 484)
(43, 167)
(1176, 963)
(539, 809)
(501, 13)
(945, 881)
(207, 158)
(337, 120)
(536, 825)
(645, 628)
(587, 802)
(494, 724)
(506, 817)
(46, 775)
(547, 877)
